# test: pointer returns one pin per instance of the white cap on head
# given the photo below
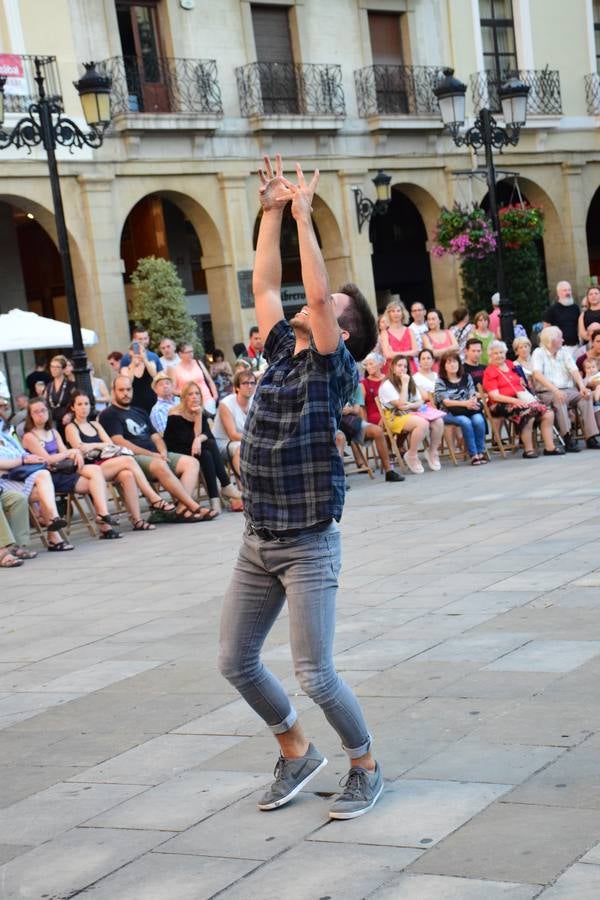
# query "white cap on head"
(496, 299)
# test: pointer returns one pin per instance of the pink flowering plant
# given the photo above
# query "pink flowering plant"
(464, 232)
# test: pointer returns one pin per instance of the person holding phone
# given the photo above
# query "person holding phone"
(142, 372)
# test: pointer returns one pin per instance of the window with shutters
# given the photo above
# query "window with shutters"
(277, 72)
(388, 63)
(498, 37)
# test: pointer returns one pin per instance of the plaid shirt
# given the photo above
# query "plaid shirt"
(292, 474)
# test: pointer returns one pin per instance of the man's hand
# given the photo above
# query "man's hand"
(274, 191)
(302, 194)
(559, 396)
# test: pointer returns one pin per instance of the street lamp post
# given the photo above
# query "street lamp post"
(366, 208)
(45, 124)
(486, 133)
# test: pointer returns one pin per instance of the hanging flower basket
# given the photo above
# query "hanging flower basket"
(520, 225)
(464, 232)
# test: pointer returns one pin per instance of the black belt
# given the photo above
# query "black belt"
(267, 534)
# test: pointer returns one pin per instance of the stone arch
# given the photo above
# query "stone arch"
(592, 227)
(212, 260)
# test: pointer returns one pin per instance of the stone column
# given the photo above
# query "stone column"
(101, 295)
(231, 321)
(575, 214)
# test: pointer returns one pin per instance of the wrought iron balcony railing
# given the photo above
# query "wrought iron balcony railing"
(20, 89)
(397, 90)
(290, 89)
(153, 84)
(592, 93)
(544, 90)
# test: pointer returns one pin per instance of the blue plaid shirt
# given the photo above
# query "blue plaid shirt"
(292, 474)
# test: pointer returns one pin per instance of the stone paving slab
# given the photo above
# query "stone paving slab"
(471, 759)
(580, 882)
(437, 887)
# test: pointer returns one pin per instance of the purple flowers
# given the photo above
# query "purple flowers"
(464, 232)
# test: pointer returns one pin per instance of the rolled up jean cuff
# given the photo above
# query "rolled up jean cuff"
(287, 723)
(355, 752)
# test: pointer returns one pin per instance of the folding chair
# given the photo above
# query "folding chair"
(392, 439)
(359, 458)
(511, 442)
(77, 501)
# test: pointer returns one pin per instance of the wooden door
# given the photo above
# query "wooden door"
(146, 69)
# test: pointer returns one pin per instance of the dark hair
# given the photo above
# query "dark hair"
(425, 350)
(358, 320)
(438, 314)
(74, 397)
(412, 388)
(183, 344)
(29, 426)
(459, 314)
(472, 341)
(450, 354)
(241, 373)
(138, 328)
(217, 353)
(239, 350)
(253, 330)
(116, 355)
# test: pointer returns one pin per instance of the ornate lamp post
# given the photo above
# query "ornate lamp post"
(366, 208)
(45, 124)
(486, 133)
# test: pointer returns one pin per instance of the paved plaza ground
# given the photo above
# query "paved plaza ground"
(469, 624)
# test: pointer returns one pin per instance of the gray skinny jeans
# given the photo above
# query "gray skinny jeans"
(304, 570)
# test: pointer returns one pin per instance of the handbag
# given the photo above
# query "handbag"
(526, 397)
(63, 467)
(22, 472)
(429, 413)
(113, 450)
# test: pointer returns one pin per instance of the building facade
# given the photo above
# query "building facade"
(201, 91)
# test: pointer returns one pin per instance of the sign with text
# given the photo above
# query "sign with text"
(12, 68)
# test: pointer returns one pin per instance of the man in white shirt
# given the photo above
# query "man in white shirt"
(231, 417)
(562, 388)
(168, 353)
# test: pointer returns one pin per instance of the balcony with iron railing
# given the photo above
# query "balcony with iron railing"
(20, 89)
(592, 93)
(544, 97)
(288, 96)
(393, 95)
(155, 93)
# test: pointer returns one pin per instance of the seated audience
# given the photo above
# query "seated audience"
(402, 404)
(560, 385)
(592, 348)
(522, 351)
(397, 339)
(94, 444)
(142, 371)
(188, 432)
(194, 370)
(178, 474)
(455, 393)
(43, 440)
(426, 377)
(371, 382)
(21, 403)
(355, 428)
(483, 332)
(165, 400)
(140, 334)
(231, 416)
(34, 482)
(437, 338)
(472, 364)
(14, 529)
(461, 328)
(590, 313)
(591, 371)
(58, 393)
(168, 353)
(222, 374)
(510, 398)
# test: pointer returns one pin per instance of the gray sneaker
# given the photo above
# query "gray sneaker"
(362, 790)
(290, 777)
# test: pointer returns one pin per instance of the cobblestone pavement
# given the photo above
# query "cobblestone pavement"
(469, 624)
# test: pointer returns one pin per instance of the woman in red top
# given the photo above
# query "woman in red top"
(398, 339)
(437, 338)
(510, 398)
(371, 382)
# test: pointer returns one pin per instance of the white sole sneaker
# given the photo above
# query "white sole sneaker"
(357, 812)
(275, 804)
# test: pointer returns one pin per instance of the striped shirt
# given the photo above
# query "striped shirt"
(292, 474)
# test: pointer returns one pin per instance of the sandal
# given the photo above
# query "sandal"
(197, 515)
(163, 506)
(475, 460)
(236, 505)
(107, 520)
(109, 535)
(23, 553)
(60, 547)
(56, 524)
(140, 525)
(529, 454)
(8, 560)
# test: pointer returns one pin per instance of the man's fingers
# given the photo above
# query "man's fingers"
(314, 182)
(268, 167)
(278, 165)
(289, 184)
(263, 178)
(300, 175)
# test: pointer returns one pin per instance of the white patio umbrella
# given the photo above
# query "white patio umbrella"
(22, 330)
